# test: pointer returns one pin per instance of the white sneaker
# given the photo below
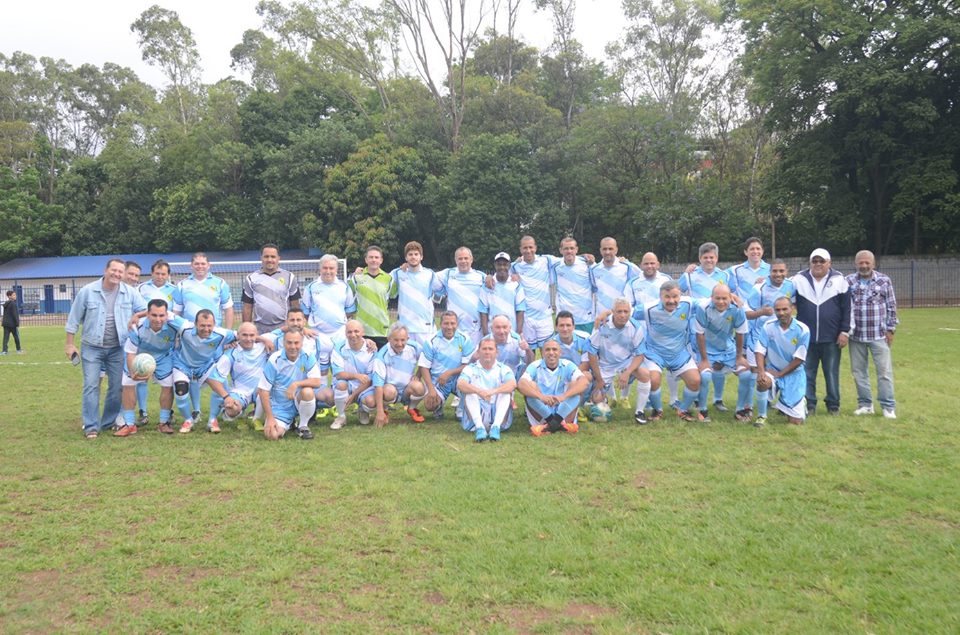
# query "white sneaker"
(364, 417)
(889, 413)
(338, 422)
(863, 410)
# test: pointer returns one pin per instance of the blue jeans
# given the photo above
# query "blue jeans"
(827, 354)
(859, 364)
(111, 360)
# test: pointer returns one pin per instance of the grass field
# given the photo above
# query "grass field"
(842, 525)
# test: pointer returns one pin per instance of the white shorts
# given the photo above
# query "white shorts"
(179, 375)
(536, 332)
(166, 382)
(654, 367)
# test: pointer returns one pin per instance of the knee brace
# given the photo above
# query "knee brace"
(181, 388)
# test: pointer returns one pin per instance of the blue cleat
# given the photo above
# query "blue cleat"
(481, 434)
(494, 433)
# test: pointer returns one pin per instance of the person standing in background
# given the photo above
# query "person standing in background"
(11, 322)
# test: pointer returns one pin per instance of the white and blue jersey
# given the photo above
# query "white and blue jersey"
(535, 279)
(414, 291)
(465, 297)
(765, 294)
(159, 344)
(719, 330)
(319, 347)
(440, 355)
(780, 347)
(578, 350)
(699, 284)
(279, 373)
(150, 291)
(743, 277)
(574, 289)
(553, 382)
(327, 305)
(193, 295)
(344, 359)
(668, 333)
(617, 347)
(397, 369)
(194, 355)
(510, 354)
(506, 298)
(241, 370)
(643, 290)
(610, 283)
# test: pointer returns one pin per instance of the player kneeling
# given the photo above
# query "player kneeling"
(486, 387)
(781, 350)
(394, 378)
(236, 376)
(553, 387)
(290, 378)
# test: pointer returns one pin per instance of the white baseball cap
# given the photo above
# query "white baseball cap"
(502, 255)
(821, 252)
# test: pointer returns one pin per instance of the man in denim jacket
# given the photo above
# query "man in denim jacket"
(103, 309)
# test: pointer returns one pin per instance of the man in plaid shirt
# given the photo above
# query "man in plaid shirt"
(874, 323)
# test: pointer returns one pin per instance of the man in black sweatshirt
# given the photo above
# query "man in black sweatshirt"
(11, 322)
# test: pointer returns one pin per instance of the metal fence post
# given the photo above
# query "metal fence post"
(913, 272)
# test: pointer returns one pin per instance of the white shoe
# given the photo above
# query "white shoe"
(889, 413)
(364, 417)
(863, 410)
(338, 422)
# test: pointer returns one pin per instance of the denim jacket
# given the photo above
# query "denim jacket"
(89, 311)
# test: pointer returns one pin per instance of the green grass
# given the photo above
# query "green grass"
(842, 525)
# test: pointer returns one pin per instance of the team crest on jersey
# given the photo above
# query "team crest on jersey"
(213, 287)
(165, 339)
(303, 368)
(683, 316)
(281, 281)
(794, 341)
(729, 318)
(210, 345)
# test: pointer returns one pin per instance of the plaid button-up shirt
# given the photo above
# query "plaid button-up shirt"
(873, 305)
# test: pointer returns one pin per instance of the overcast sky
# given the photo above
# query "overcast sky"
(98, 31)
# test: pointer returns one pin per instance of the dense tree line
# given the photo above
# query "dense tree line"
(834, 124)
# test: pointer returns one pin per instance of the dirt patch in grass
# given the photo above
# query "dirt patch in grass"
(435, 598)
(54, 594)
(643, 480)
(575, 618)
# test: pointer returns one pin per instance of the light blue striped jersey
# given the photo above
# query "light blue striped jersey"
(506, 298)
(643, 290)
(743, 277)
(765, 294)
(610, 283)
(195, 354)
(574, 289)
(394, 368)
(699, 285)
(192, 295)
(244, 368)
(616, 347)
(535, 279)
(465, 296)
(440, 354)
(668, 333)
(319, 347)
(578, 350)
(476, 375)
(327, 305)
(344, 359)
(279, 373)
(780, 347)
(414, 291)
(159, 344)
(510, 353)
(150, 291)
(719, 329)
(553, 382)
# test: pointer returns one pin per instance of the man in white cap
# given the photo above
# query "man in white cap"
(823, 305)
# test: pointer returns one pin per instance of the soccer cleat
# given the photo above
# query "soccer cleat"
(415, 415)
(656, 415)
(719, 407)
(338, 422)
(363, 417)
(213, 426)
(144, 419)
(494, 433)
(760, 422)
(889, 413)
(186, 427)
(676, 406)
(743, 415)
(539, 430)
(863, 410)
(639, 418)
(125, 431)
(304, 433)
(481, 434)
(703, 416)
(91, 435)
(685, 415)
(572, 427)
(438, 413)
(833, 412)
(195, 415)
(165, 427)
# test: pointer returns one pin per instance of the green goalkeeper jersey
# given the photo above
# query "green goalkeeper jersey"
(372, 294)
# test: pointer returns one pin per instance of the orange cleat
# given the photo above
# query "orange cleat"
(572, 427)
(125, 431)
(539, 430)
(415, 415)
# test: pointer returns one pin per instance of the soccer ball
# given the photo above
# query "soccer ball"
(143, 364)
(600, 412)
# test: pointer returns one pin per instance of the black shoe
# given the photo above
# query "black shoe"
(144, 419)
(719, 407)
(639, 418)
(304, 433)
(195, 416)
